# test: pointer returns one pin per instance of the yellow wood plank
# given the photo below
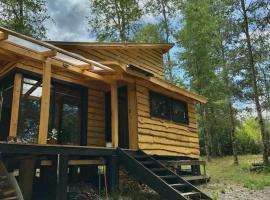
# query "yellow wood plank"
(45, 103)
(132, 117)
(114, 109)
(15, 105)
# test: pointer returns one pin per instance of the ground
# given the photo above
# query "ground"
(230, 182)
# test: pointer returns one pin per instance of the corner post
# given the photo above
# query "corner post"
(15, 105)
(45, 103)
(112, 173)
(114, 109)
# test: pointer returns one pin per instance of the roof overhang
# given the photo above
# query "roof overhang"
(16, 47)
(164, 47)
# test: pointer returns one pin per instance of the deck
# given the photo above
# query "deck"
(53, 162)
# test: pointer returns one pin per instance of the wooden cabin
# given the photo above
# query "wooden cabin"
(98, 95)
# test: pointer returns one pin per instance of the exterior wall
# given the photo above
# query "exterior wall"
(149, 59)
(96, 118)
(162, 137)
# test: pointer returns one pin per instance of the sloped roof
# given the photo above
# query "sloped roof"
(165, 47)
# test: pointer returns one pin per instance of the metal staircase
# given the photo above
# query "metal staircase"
(161, 179)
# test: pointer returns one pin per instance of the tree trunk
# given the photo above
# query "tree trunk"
(167, 32)
(230, 106)
(253, 72)
(205, 133)
(233, 141)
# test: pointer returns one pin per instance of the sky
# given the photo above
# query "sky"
(70, 22)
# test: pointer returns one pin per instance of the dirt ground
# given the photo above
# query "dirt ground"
(235, 192)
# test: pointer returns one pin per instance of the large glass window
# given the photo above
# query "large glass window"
(6, 93)
(30, 102)
(65, 112)
(164, 107)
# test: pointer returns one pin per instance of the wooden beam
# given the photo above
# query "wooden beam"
(59, 63)
(114, 110)
(15, 105)
(26, 176)
(132, 117)
(26, 53)
(49, 53)
(50, 46)
(85, 67)
(62, 183)
(45, 103)
(3, 36)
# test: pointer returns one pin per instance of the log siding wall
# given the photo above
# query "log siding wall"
(150, 59)
(161, 137)
(96, 118)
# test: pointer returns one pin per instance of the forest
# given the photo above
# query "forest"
(221, 52)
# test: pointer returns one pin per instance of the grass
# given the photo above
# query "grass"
(223, 171)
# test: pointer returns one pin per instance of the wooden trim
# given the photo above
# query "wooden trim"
(114, 109)
(132, 117)
(52, 47)
(45, 103)
(15, 105)
(167, 88)
(3, 36)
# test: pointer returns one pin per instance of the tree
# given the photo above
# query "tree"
(149, 33)
(168, 10)
(252, 71)
(24, 16)
(114, 20)
(196, 38)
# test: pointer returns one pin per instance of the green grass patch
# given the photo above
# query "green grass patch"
(222, 170)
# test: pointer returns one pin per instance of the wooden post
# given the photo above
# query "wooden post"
(114, 109)
(132, 117)
(15, 105)
(62, 177)
(26, 176)
(45, 103)
(112, 173)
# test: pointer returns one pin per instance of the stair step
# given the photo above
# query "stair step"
(191, 194)
(179, 185)
(158, 170)
(168, 177)
(141, 156)
(147, 162)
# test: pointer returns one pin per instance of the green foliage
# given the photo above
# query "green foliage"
(24, 16)
(249, 137)
(114, 20)
(223, 171)
(149, 33)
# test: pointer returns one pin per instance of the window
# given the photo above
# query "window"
(30, 110)
(6, 92)
(160, 106)
(164, 107)
(66, 113)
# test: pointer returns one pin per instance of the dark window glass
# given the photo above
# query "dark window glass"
(164, 107)
(66, 114)
(28, 127)
(179, 111)
(160, 106)
(6, 93)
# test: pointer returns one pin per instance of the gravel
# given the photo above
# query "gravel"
(235, 192)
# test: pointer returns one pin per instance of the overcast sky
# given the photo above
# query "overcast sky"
(69, 20)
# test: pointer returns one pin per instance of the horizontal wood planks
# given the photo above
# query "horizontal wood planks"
(96, 118)
(162, 137)
(150, 59)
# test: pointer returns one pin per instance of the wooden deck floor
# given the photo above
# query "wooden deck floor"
(48, 149)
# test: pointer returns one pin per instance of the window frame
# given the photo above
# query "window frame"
(170, 103)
